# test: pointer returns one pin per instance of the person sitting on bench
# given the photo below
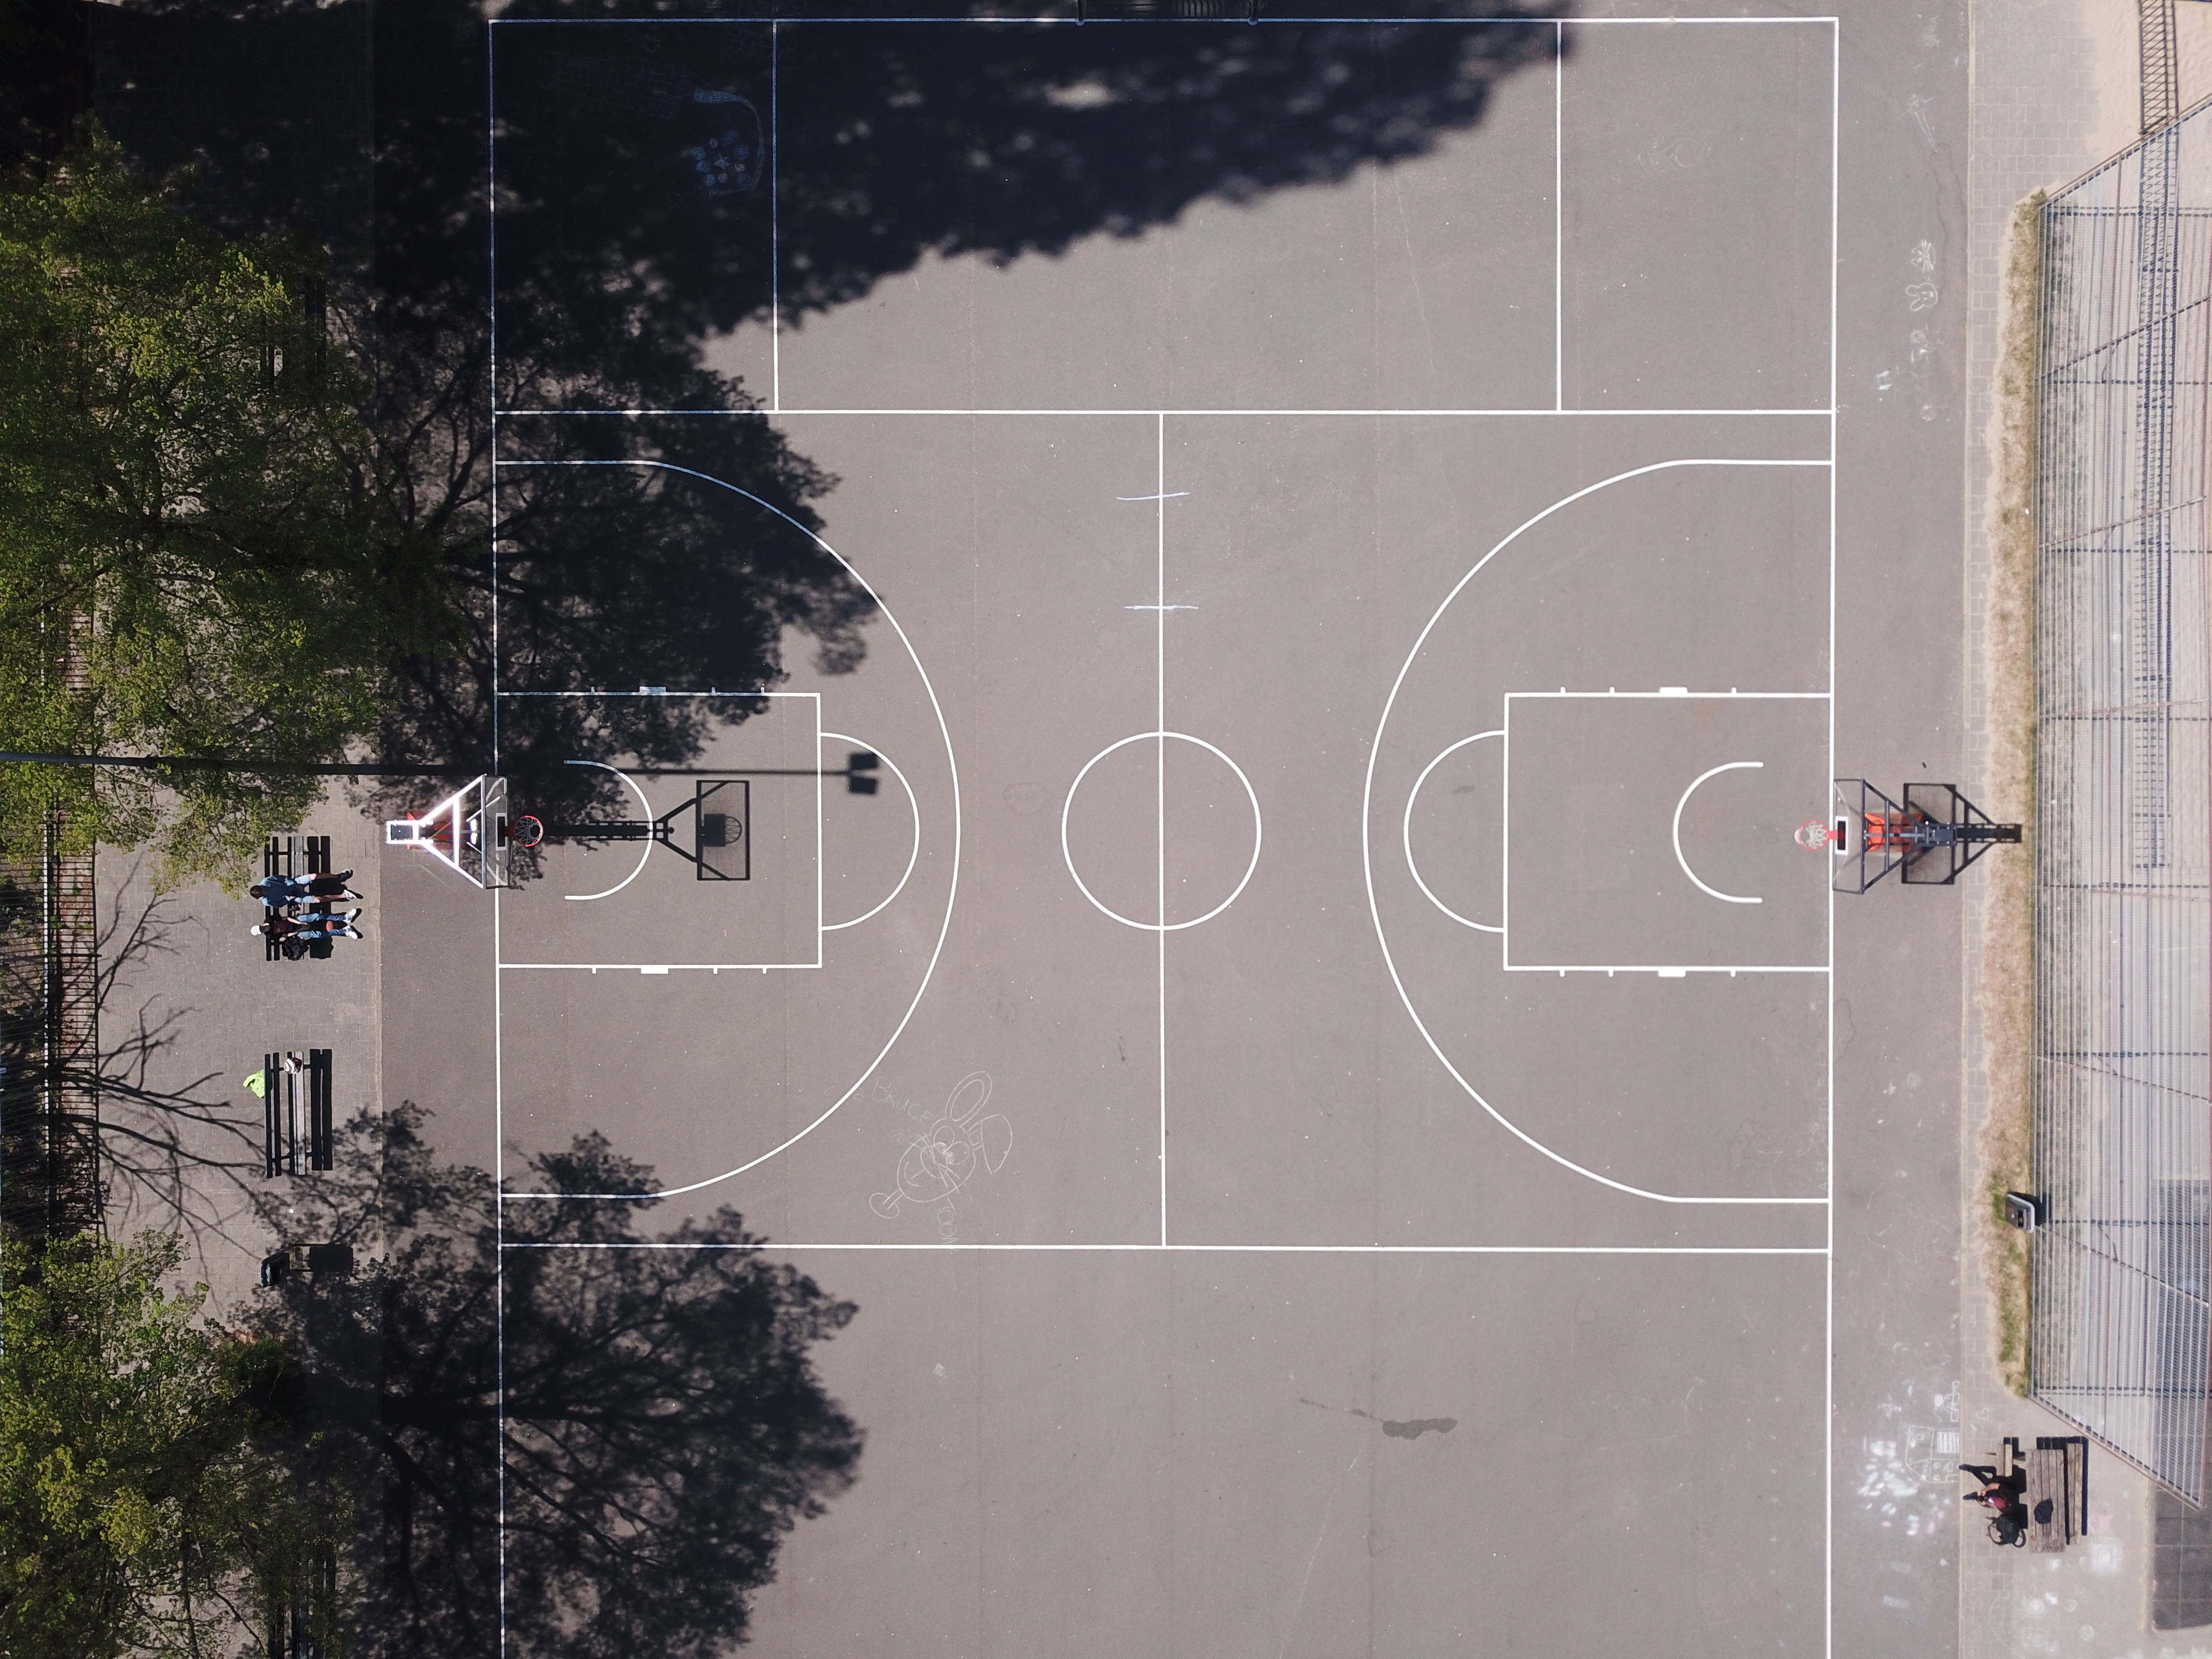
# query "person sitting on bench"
(315, 925)
(2005, 1494)
(277, 891)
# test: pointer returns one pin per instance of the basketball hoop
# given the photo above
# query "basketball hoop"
(527, 831)
(1813, 834)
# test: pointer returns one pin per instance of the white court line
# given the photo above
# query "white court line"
(1063, 20)
(952, 769)
(1407, 829)
(1675, 970)
(822, 845)
(774, 214)
(654, 968)
(498, 1068)
(1558, 218)
(1164, 926)
(771, 1245)
(1729, 766)
(644, 806)
(1835, 266)
(1723, 697)
(914, 853)
(1160, 774)
(1270, 412)
(1367, 850)
(657, 691)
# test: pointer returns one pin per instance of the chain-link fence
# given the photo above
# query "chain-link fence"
(50, 1174)
(2123, 1079)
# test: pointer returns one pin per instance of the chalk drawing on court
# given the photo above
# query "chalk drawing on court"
(959, 1144)
(1909, 1479)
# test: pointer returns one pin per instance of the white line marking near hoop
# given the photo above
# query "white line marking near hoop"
(1163, 925)
(644, 806)
(1731, 766)
(952, 891)
(912, 806)
(1407, 835)
(1367, 833)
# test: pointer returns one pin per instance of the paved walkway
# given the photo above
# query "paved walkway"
(192, 1011)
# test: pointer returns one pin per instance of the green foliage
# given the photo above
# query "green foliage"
(150, 1496)
(197, 554)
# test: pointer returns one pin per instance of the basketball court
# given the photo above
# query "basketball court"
(1283, 984)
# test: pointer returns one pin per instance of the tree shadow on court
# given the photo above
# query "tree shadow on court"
(636, 213)
(626, 1434)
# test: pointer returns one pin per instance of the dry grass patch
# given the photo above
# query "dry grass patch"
(2008, 978)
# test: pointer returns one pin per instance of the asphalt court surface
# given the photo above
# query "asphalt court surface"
(1655, 832)
(732, 877)
(1278, 607)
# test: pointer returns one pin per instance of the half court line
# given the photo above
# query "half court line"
(1160, 768)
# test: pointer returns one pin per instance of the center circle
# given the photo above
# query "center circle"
(1161, 832)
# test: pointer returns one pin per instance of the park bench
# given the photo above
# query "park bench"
(2057, 1491)
(294, 855)
(296, 1136)
(315, 1261)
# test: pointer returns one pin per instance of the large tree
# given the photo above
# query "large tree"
(153, 1498)
(200, 555)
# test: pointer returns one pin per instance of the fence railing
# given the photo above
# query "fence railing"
(50, 1176)
(2121, 1324)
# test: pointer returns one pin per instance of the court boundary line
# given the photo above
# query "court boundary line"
(498, 1005)
(1835, 282)
(776, 212)
(1193, 412)
(1060, 20)
(1141, 1247)
(1559, 215)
